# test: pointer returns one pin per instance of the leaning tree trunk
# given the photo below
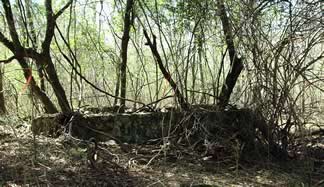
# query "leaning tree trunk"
(2, 99)
(152, 44)
(45, 57)
(56, 85)
(128, 21)
(236, 62)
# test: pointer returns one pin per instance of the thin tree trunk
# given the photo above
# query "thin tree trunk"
(194, 77)
(33, 40)
(45, 57)
(236, 62)
(183, 104)
(56, 85)
(187, 64)
(128, 21)
(117, 84)
(2, 99)
(201, 40)
(200, 61)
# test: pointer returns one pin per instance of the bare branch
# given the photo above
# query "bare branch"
(82, 76)
(25, 52)
(63, 9)
(7, 60)
(6, 42)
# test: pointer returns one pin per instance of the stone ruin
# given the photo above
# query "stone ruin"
(196, 125)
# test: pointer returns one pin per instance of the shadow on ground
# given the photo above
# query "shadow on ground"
(46, 161)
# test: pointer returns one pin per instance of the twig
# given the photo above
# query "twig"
(6, 61)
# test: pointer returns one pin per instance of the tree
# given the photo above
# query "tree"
(42, 58)
(128, 21)
(236, 62)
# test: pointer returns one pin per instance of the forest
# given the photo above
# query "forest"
(162, 93)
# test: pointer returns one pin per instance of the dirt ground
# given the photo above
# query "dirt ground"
(26, 160)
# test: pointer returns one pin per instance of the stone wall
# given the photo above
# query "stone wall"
(141, 127)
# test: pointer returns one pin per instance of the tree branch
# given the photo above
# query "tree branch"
(7, 60)
(31, 53)
(6, 42)
(11, 23)
(63, 9)
(82, 76)
(49, 27)
(235, 61)
(25, 52)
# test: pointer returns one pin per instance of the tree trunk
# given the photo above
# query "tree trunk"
(56, 85)
(194, 77)
(35, 90)
(182, 102)
(128, 21)
(236, 62)
(45, 57)
(117, 84)
(200, 61)
(2, 99)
